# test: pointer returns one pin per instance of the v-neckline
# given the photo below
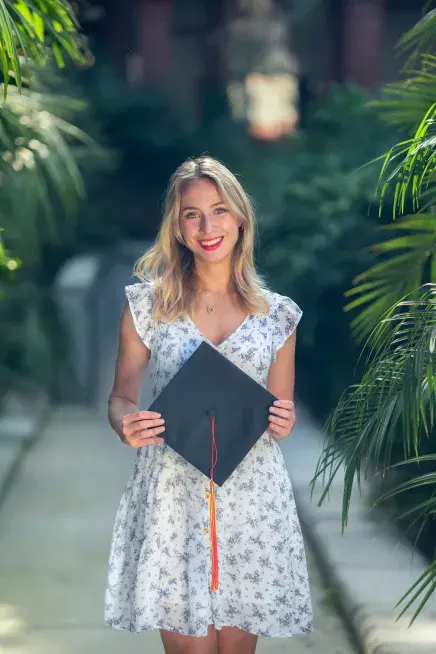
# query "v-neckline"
(227, 338)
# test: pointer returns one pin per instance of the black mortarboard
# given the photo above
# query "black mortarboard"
(209, 385)
(214, 413)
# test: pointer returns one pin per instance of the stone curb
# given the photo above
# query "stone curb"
(370, 567)
(21, 424)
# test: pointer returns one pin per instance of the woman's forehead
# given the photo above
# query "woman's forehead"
(201, 190)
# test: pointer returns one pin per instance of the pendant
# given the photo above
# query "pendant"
(210, 309)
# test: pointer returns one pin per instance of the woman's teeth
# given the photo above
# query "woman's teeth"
(212, 244)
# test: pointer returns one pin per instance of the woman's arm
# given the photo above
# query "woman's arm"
(281, 382)
(132, 361)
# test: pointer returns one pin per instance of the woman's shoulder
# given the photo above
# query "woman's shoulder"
(284, 312)
(279, 304)
(140, 296)
(140, 292)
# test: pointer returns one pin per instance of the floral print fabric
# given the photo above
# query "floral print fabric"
(159, 563)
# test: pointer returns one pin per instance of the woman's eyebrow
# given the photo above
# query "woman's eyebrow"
(215, 204)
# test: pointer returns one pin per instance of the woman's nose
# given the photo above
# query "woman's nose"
(206, 224)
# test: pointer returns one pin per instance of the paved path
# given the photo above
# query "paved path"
(55, 530)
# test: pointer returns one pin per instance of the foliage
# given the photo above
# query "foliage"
(323, 214)
(40, 179)
(38, 169)
(387, 420)
(41, 153)
(34, 29)
(413, 248)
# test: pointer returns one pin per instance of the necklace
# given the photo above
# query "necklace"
(210, 308)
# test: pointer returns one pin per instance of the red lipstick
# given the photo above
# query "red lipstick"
(214, 244)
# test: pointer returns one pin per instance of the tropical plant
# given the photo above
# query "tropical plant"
(38, 168)
(41, 181)
(393, 406)
(32, 30)
(42, 186)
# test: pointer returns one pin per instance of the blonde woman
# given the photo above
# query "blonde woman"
(199, 283)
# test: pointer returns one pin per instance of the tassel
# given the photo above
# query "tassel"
(212, 513)
(213, 538)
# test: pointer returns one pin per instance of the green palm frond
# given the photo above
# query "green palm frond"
(38, 169)
(421, 37)
(395, 402)
(424, 586)
(404, 103)
(402, 269)
(35, 28)
(411, 176)
(397, 394)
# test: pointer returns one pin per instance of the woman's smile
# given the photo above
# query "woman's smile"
(212, 243)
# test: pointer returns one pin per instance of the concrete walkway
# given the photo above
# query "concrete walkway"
(55, 528)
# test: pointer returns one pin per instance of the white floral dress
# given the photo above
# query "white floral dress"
(159, 564)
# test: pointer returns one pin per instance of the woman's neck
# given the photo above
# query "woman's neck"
(214, 278)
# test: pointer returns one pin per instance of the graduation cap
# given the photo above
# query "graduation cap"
(214, 414)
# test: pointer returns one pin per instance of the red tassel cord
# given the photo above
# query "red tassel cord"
(212, 512)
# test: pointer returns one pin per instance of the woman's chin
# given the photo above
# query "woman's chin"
(213, 257)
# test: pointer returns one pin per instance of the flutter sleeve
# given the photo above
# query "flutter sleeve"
(285, 315)
(140, 301)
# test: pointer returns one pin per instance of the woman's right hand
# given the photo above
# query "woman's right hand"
(142, 428)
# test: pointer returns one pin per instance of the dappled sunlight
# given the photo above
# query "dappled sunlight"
(10, 622)
(387, 631)
(12, 628)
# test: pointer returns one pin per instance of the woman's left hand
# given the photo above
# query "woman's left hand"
(281, 418)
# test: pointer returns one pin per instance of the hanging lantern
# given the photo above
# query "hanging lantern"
(263, 86)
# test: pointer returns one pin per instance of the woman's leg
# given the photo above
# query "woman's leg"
(178, 644)
(232, 640)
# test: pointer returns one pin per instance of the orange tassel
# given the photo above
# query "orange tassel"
(212, 513)
(213, 537)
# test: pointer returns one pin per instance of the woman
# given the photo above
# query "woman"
(200, 283)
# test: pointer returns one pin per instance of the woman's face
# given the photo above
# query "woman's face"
(210, 230)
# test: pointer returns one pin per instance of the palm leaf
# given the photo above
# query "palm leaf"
(38, 166)
(420, 37)
(426, 583)
(414, 172)
(362, 428)
(397, 394)
(401, 269)
(404, 103)
(31, 30)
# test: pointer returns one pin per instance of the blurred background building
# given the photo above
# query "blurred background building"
(193, 47)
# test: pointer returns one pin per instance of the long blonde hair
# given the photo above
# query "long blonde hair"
(168, 266)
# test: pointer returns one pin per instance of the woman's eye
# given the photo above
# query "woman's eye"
(221, 209)
(191, 214)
